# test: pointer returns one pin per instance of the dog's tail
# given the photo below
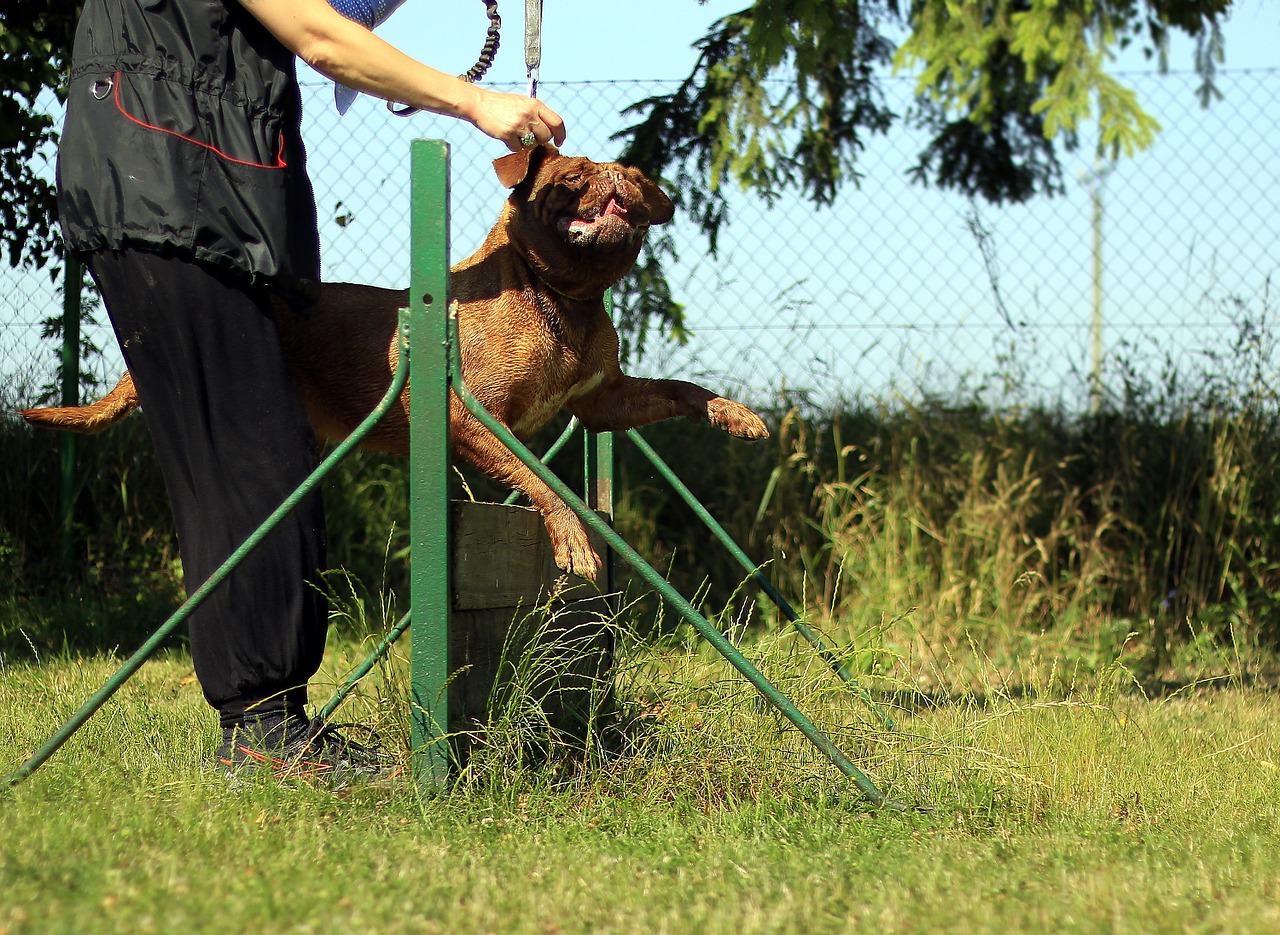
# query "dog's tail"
(92, 418)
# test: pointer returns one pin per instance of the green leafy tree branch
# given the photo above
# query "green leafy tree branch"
(35, 46)
(785, 93)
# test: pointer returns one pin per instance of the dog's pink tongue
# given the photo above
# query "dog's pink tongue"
(612, 208)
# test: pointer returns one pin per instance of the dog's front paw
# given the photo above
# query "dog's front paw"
(573, 551)
(736, 419)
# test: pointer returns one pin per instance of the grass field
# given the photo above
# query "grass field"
(1059, 798)
(1073, 622)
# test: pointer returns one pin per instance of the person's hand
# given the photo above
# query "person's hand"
(353, 56)
(515, 120)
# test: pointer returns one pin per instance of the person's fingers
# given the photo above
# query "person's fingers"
(554, 124)
(537, 130)
(512, 133)
(519, 121)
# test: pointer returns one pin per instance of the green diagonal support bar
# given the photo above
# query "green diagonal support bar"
(365, 667)
(832, 659)
(554, 450)
(144, 652)
(662, 586)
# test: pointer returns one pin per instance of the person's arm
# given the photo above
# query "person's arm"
(352, 55)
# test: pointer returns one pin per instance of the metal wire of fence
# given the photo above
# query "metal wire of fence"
(895, 291)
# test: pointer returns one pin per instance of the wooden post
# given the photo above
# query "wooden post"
(512, 630)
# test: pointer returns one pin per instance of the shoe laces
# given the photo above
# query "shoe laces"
(323, 737)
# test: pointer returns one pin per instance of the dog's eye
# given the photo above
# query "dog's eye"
(572, 179)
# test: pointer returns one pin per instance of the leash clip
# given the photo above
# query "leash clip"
(532, 43)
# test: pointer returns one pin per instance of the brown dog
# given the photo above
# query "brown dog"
(533, 333)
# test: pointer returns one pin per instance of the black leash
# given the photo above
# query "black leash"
(476, 71)
(490, 48)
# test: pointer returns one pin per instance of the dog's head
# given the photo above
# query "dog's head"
(580, 218)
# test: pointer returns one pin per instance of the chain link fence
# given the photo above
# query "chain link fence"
(1144, 273)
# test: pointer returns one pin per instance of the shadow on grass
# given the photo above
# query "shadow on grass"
(1150, 687)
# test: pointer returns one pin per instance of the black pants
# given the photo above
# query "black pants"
(233, 441)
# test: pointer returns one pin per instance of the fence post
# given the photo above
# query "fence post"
(598, 479)
(1095, 182)
(72, 290)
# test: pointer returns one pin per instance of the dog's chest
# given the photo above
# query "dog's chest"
(562, 358)
(541, 405)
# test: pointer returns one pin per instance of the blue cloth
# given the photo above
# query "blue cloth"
(369, 14)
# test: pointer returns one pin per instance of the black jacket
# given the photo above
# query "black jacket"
(182, 133)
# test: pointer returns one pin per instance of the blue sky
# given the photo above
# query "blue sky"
(585, 40)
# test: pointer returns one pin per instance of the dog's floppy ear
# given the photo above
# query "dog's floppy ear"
(514, 168)
(655, 199)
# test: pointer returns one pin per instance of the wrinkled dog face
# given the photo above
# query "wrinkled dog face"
(574, 212)
(601, 206)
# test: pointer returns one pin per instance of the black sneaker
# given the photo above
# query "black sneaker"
(302, 748)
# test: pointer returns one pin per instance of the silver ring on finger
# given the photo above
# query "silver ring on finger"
(528, 139)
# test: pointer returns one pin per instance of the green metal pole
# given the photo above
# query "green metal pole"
(598, 486)
(663, 587)
(72, 291)
(599, 471)
(598, 480)
(431, 561)
(757, 576)
(134, 662)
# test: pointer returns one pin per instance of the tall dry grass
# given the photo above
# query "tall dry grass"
(1152, 522)
(980, 524)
